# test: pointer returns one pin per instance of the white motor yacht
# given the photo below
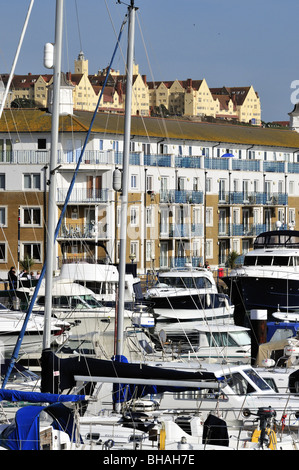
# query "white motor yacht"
(189, 294)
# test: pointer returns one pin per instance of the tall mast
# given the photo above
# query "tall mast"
(52, 182)
(125, 180)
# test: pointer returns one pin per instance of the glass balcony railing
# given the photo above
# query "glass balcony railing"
(181, 197)
(185, 230)
(182, 261)
(83, 195)
(246, 198)
(243, 230)
(157, 160)
(78, 231)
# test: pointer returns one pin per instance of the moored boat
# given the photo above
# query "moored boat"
(189, 294)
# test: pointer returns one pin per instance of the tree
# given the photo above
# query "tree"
(27, 263)
(231, 259)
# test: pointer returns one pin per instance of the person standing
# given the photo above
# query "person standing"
(12, 278)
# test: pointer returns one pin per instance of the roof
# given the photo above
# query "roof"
(17, 120)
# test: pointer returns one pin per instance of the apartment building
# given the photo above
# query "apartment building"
(189, 98)
(197, 191)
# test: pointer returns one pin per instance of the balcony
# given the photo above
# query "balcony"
(277, 167)
(182, 261)
(243, 230)
(134, 158)
(246, 165)
(253, 199)
(82, 231)
(83, 195)
(216, 163)
(181, 197)
(188, 162)
(185, 230)
(157, 160)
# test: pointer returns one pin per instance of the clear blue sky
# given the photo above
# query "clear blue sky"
(232, 42)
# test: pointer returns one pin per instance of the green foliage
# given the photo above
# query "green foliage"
(27, 263)
(231, 259)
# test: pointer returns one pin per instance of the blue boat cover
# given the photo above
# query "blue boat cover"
(36, 397)
(23, 434)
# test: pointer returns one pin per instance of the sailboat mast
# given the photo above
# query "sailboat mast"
(125, 179)
(52, 182)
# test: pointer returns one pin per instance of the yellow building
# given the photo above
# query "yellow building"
(190, 98)
(238, 103)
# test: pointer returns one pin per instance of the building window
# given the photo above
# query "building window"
(292, 216)
(2, 252)
(41, 144)
(196, 184)
(32, 181)
(150, 250)
(208, 185)
(149, 216)
(149, 183)
(133, 181)
(291, 187)
(2, 181)
(209, 249)
(209, 217)
(134, 251)
(32, 251)
(2, 216)
(133, 216)
(31, 216)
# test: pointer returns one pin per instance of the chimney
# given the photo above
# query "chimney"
(144, 79)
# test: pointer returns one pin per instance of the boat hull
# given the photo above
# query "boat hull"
(267, 293)
(212, 308)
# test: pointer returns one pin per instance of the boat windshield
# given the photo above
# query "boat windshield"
(231, 338)
(241, 338)
(19, 374)
(241, 386)
(187, 282)
(257, 379)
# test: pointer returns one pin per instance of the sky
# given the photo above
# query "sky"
(227, 43)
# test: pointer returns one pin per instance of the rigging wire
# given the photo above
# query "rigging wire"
(19, 341)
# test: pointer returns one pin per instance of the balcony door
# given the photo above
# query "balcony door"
(93, 187)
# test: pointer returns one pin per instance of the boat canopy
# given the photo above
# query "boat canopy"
(277, 238)
(24, 432)
(59, 374)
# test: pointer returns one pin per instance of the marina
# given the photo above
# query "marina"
(178, 357)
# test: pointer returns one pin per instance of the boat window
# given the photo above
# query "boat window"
(281, 261)
(220, 339)
(257, 379)
(77, 302)
(271, 382)
(264, 260)
(249, 260)
(203, 394)
(91, 301)
(239, 384)
(241, 338)
(187, 282)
